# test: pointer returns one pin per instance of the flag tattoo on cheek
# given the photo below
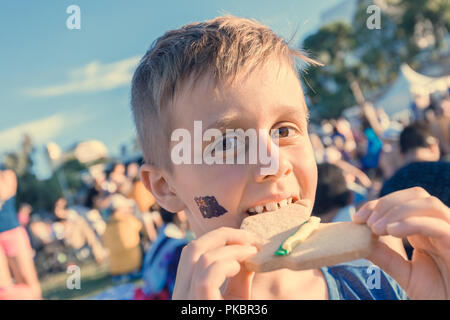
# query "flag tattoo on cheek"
(209, 207)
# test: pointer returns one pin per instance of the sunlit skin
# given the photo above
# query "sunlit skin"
(268, 98)
(258, 102)
(210, 267)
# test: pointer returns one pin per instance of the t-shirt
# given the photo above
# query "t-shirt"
(8, 215)
(352, 282)
(434, 177)
(347, 281)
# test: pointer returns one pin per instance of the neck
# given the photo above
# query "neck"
(289, 284)
(419, 155)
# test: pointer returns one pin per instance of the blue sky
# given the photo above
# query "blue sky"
(66, 85)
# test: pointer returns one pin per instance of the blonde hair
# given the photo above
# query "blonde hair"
(223, 46)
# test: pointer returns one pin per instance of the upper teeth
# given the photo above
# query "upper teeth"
(271, 206)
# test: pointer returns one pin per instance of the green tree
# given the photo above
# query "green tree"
(40, 194)
(328, 87)
(354, 54)
(416, 18)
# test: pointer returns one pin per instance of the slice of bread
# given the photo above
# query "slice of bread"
(330, 244)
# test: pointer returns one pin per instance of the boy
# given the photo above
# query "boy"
(232, 73)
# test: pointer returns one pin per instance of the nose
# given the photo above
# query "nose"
(272, 165)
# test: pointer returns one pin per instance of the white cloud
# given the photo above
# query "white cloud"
(41, 131)
(94, 76)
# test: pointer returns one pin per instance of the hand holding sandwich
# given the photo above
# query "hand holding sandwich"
(212, 260)
(425, 221)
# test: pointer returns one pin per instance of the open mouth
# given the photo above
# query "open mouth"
(271, 206)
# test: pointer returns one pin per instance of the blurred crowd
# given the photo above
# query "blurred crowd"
(115, 222)
(360, 158)
(369, 155)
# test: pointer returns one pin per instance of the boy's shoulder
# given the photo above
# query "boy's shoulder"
(361, 282)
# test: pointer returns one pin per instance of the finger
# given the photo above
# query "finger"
(237, 253)
(219, 238)
(231, 252)
(392, 263)
(209, 281)
(210, 241)
(425, 226)
(364, 212)
(240, 286)
(183, 277)
(431, 207)
(391, 200)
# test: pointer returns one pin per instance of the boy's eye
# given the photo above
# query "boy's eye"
(228, 143)
(284, 132)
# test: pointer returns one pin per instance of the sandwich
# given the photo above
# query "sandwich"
(291, 238)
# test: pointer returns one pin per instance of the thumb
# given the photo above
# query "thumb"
(240, 286)
(392, 263)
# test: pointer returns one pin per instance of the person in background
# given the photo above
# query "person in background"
(145, 202)
(421, 102)
(439, 122)
(420, 153)
(161, 261)
(334, 201)
(23, 215)
(390, 158)
(118, 178)
(122, 239)
(344, 127)
(370, 159)
(76, 231)
(421, 168)
(95, 191)
(15, 250)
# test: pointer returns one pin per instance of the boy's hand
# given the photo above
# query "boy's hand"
(425, 221)
(212, 261)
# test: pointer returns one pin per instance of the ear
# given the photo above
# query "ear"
(157, 183)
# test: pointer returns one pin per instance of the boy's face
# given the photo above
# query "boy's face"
(263, 100)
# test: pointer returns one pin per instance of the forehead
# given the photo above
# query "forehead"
(263, 93)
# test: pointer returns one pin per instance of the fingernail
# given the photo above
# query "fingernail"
(257, 246)
(362, 213)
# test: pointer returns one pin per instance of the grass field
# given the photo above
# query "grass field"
(94, 280)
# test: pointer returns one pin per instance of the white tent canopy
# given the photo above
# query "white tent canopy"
(408, 84)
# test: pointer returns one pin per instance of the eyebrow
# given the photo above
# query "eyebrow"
(291, 110)
(224, 122)
(227, 120)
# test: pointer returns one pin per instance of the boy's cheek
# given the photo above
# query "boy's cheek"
(305, 171)
(209, 207)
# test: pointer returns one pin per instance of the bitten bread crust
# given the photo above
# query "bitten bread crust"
(330, 244)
